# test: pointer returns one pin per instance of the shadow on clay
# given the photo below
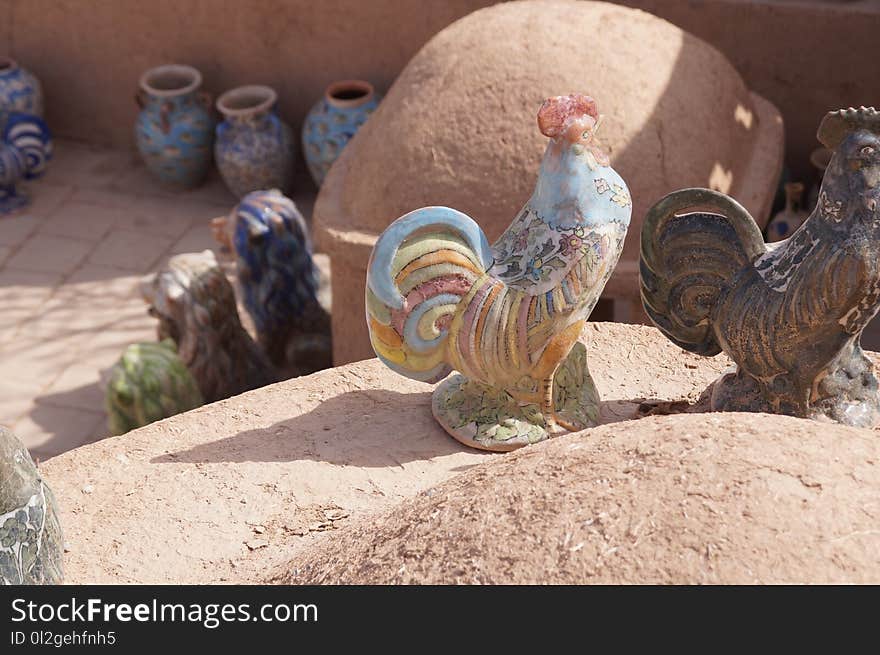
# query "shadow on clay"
(367, 428)
(73, 418)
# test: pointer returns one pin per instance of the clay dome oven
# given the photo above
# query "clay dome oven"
(458, 128)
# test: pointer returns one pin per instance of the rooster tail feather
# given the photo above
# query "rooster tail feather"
(420, 269)
(688, 259)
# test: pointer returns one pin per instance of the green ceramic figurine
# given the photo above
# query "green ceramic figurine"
(149, 383)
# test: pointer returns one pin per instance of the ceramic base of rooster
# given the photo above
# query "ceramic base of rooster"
(847, 393)
(488, 418)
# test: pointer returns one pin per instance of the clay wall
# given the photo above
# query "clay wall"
(805, 56)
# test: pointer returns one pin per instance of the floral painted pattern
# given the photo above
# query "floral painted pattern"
(531, 251)
(830, 208)
(255, 152)
(174, 137)
(30, 541)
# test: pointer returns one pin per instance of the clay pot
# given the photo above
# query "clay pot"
(784, 223)
(19, 90)
(254, 148)
(333, 121)
(175, 128)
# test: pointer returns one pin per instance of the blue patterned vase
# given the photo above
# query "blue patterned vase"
(254, 147)
(19, 90)
(333, 121)
(25, 148)
(175, 128)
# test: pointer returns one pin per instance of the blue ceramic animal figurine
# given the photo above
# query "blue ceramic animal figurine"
(25, 148)
(31, 543)
(279, 281)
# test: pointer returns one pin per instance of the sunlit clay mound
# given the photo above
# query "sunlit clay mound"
(457, 129)
(182, 500)
(234, 490)
(692, 498)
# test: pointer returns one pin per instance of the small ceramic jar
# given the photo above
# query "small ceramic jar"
(333, 121)
(254, 147)
(175, 129)
(20, 91)
(787, 221)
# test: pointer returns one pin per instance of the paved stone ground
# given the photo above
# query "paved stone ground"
(70, 265)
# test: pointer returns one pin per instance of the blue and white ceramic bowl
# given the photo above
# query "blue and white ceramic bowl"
(25, 149)
(254, 147)
(333, 121)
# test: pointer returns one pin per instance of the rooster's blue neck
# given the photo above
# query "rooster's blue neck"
(564, 186)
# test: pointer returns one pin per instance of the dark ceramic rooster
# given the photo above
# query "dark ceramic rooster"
(790, 314)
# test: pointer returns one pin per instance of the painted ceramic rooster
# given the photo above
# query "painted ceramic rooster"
(790, 314)
(25, 149)
(507, 316)
(278, 280)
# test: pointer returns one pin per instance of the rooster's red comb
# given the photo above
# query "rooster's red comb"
(557, 112)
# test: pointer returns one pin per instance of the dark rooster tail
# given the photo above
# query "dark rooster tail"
(687, 260)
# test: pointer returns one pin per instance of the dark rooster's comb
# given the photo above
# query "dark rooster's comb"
(837, 124)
